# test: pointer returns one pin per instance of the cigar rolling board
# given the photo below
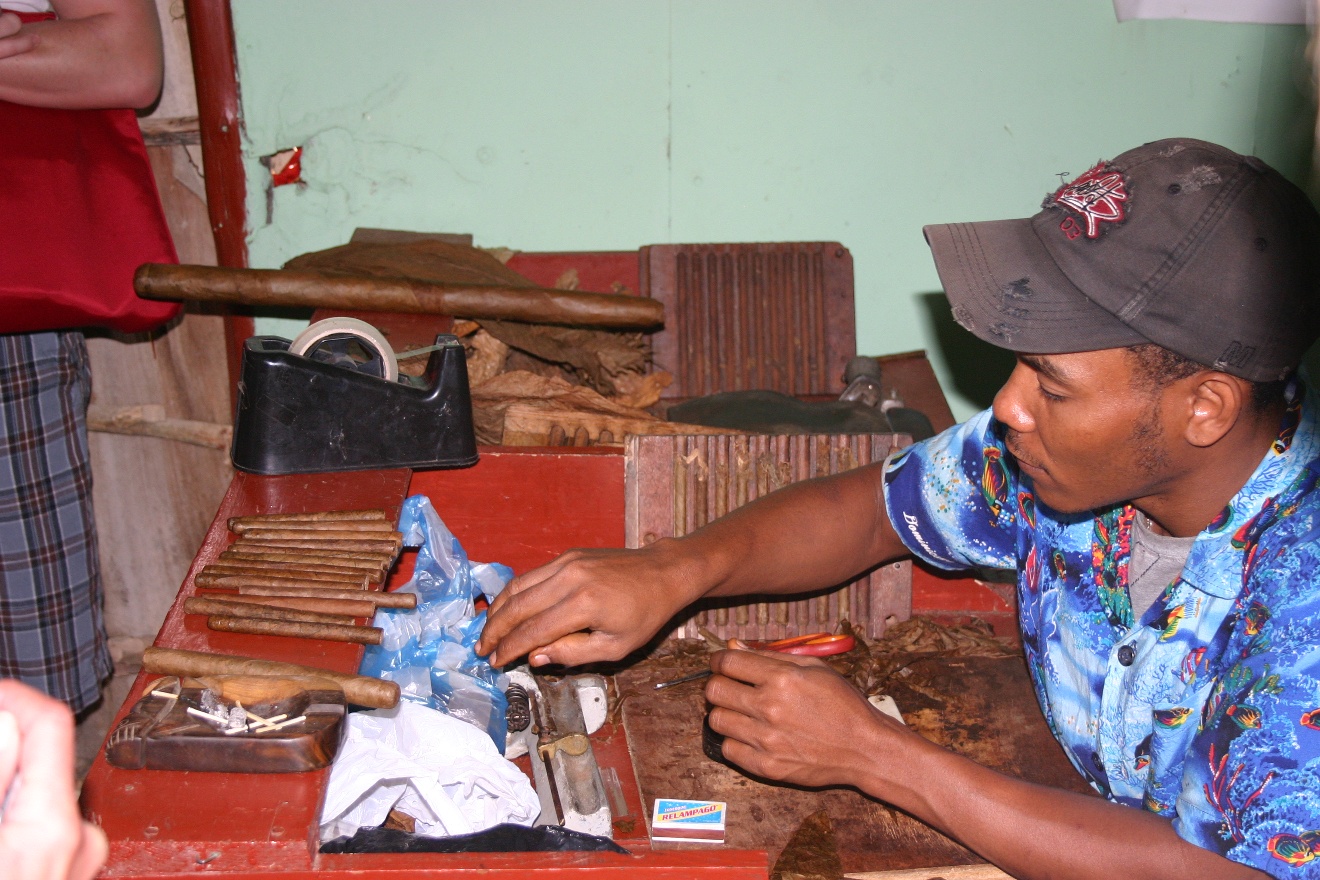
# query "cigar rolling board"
(521, 506)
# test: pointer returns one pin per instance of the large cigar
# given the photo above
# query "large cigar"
(358, 689)
(207, 605)
(380, 600)
(363, 635)
(319, 516)
(314, 290)
(297, 603)
(209, 578)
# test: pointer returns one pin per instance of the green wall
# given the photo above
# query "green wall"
(612, 124)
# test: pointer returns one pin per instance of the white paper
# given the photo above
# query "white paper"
(445, 773)
(1257, 11)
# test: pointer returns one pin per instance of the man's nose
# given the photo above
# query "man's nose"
(1010, 403)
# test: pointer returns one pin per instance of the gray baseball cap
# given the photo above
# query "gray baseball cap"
(1183, 243)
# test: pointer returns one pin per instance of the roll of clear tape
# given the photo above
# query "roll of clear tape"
(306, 342)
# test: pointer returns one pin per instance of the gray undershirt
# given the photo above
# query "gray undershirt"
(1156, 561)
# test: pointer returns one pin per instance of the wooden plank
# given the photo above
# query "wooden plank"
(983, 708)
(531, 424)
(948, 872)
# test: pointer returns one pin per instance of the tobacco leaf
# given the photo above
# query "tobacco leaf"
(491, 398)
(598, 359)
(812, 852)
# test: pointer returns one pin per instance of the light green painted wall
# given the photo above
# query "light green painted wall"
(612, 124)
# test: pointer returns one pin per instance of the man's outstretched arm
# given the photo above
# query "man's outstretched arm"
(593, 605)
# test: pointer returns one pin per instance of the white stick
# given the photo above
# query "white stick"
(200, 714)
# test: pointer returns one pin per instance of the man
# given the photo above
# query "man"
(1148, 469)
(78, 213)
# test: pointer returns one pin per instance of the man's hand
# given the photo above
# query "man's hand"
(793, 719)
(588, 605)
(42, 836)
(14, 39)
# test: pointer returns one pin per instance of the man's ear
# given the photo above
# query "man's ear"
(1217, 402)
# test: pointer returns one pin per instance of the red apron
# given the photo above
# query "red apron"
(79, 212)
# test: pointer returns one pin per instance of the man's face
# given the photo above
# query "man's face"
(1083, 431)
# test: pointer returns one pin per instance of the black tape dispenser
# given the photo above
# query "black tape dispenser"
(332, 400)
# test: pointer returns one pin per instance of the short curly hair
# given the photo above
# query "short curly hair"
(1157, 366)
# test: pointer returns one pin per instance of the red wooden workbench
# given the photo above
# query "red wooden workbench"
(519, 507)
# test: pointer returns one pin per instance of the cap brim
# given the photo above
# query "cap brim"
(1005, 288)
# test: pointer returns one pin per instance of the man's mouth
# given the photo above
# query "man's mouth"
(1015, 447)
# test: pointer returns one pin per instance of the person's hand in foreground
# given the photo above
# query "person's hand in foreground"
(42, 834)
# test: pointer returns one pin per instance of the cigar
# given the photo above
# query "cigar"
(324, 535)
(315, 516)
(362, 635)
(210, 605)
(299, 603)
(380, 600)
(207, 578)
(371, 563)
(358, 689)
(308, 570)
(241, 526)
(385, 550)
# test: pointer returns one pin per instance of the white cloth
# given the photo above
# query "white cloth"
(443, 772)
(1258, 11)
(26, 5)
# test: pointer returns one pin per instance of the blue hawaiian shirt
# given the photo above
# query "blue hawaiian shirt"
(1206, 710)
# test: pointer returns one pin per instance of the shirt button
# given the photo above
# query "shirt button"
(1126, 655)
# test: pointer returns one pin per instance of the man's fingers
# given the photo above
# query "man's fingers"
(540, 618)
(755, 667)
(729, 693)
(45, 757)
(13, 39)
(500, 618)
(93, 849)
(8, 754)
(574, 649)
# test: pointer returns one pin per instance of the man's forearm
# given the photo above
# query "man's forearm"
(1033, 831)
(100, 54)
(806, 536)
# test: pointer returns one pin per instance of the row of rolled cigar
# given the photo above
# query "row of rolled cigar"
(306, 575)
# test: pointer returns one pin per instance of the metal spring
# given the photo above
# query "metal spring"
(519, 714)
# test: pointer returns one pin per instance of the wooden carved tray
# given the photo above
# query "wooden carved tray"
(159, 733)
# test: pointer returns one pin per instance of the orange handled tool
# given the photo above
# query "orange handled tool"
(820, 644)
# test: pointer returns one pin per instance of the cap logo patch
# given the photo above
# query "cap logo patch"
(1098, 195)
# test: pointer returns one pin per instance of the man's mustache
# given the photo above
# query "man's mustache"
(1014, 444)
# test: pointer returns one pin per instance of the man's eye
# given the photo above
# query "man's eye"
(1049, 395)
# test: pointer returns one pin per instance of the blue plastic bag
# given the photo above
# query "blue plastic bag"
(430, 651)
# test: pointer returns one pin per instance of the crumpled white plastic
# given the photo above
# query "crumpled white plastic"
(444, 772)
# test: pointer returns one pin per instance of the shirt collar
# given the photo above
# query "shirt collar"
(1215, 565)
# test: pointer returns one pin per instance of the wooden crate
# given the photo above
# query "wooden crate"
(677, 484)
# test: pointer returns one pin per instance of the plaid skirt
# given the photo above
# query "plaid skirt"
(52, 626)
